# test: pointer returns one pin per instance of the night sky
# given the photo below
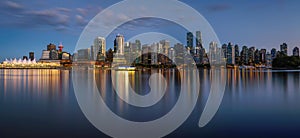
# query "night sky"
(30, 25)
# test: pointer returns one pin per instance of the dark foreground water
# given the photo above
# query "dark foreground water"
(42, 103)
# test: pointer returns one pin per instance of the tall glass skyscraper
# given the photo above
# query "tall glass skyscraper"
(119, 44)
(230, 54)
(190, 42)
(296, 52)
(99, 48)
(283, 49)
(199, 42)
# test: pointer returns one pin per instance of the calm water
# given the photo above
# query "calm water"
(40, 103)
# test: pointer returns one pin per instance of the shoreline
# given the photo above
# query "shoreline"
(70, 68)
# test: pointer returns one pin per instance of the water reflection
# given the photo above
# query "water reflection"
(266, 85)
(255, 101)
(34, 84)
(169, 86)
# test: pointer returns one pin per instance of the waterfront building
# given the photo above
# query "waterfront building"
(245, 55)
(296, 52)
(230, 54)
(224, 50)
(273, 53)
(251, 55)
(263, 56)
(66, 56)
(237, 54)
(98, 49)
(45, 55)
(138, 45)
(171, 54)
(199, 42)
(54, 55)
(31, 56)
(284, 49)
(128, 52)
(146, 54)
(257, 57)
(268, 59)
(51, 47)
(166, 46)
(135, 51)
(190, 42)
(84, 54)
(179, 51)
(213, 53)
(119, 56)
(119, 43)
(156, 51)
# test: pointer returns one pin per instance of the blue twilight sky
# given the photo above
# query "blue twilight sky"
(30, 25)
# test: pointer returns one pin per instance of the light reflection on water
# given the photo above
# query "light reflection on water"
(35, 84)
(256, 103)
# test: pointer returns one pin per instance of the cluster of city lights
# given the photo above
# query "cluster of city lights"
(24, 63)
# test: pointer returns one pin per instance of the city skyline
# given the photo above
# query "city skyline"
(232, 53)
(33, 24)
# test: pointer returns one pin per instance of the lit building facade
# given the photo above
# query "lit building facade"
(119, 43)
(230, 54)
(98, 49)
(190, 42)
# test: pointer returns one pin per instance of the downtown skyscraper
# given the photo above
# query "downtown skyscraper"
(98, 50)
(190, 42)
(119, 44)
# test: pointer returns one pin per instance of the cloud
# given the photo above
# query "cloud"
(25, 15)
(48, 17)
(82, 11)
(65, 10)
(218, 7)
(13, 5)
(80, 20)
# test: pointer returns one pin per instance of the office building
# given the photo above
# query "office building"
(54, 55)
(31, 56)
(273, 53)
(171, 54)
(284, 49)
(199, 42)
(190, 42)
(224, 50)
(45, 55)
(214, 55)
(296, 52)
(257, 56)
(244, 56)
(98, 49)
(230, 54)
(268, 59)
(84, 54)
(51, 47)
(237, 54)
(251, 55)
(166, 46)
(119, 44)
(263, 56)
